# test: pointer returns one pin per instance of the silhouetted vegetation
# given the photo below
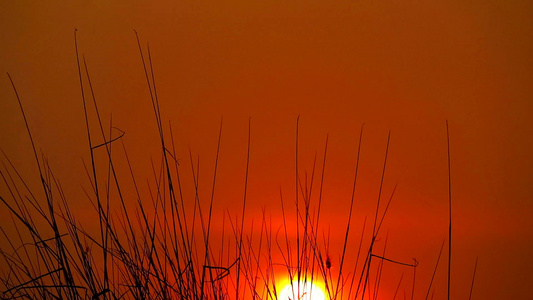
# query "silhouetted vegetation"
(154, 248)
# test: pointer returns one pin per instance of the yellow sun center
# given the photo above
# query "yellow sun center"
(303, 291)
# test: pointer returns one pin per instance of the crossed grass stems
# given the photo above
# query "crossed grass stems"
(155, 253)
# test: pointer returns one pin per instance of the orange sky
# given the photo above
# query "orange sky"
(394, 65)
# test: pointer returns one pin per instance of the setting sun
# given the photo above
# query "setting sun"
(303, 291)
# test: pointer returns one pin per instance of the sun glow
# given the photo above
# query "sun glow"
(303, 291)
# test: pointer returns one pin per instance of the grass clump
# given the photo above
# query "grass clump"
(156, 248)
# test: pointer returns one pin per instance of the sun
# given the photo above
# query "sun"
(307, 291)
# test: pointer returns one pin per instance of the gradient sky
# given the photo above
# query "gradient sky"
(403, 66)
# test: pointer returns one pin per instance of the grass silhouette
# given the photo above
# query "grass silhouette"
(156, 248)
